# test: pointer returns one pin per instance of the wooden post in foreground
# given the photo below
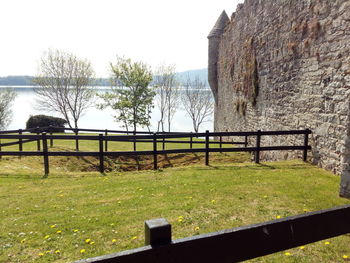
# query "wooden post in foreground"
(157, 232)
(206, 147)
(45, 154)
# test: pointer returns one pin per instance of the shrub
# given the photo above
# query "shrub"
(45, 121)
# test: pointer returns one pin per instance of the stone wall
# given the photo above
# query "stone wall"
(285, 64)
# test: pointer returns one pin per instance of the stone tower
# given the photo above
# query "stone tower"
(214, 43)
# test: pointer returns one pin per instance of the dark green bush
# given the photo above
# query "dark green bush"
(45, 121)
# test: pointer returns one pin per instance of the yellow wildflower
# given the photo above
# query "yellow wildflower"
(327, 243)
(134, 237)
(213, 201)
(301, 247)
(278, 217)
(82, 251)
(23, 240)
(57, 251)
(47, 236)
(345, 256)
(75, 230)
(53, 226)
(87, 241)
(196, 228)
(92, 242)
(114, 241)
(58, 231)
(287, 254)
(41, 254)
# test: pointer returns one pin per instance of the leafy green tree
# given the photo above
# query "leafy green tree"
(131, 96)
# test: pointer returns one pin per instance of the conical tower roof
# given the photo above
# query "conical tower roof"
(220, 24)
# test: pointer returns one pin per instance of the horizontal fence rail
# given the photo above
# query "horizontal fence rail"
(101, 152)
(233, 245)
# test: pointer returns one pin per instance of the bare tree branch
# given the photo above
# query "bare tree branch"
(63, 85)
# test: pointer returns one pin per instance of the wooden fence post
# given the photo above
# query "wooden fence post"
(155, 161)
(106, 141)
(38, 140)
(102, 166)
(191, 140)
(257, 152)
(206, 147)
(76, 131)
(45, 154)
(220, 141)
(157, 232)
(306, 144)
(0, 149)
(246, 141)
(51, 140)
(20, 144)
(134, 133)
(163, 144)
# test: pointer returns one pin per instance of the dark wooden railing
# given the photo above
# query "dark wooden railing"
(143, 137)
(233, 245)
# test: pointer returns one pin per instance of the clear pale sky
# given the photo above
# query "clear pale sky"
(154, 31)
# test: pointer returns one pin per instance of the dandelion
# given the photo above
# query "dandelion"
(196, 228)
(47, 236)
(134, 237)
(327, 243)
(301, 247)
(278, 217)
(265, 196)
(82, 251)
(180, 219)
(58, 231)
(75, 230)
(47, 251)
(112, 224)
(213, 201)
(92, 242)
(140, 189)
(53, 226)
(57, 251)
(305, 210)
(87, 241)
(119, 202)
(41, 254)
(287, 254)
(23, 240)
(114, 241)
(345, 256)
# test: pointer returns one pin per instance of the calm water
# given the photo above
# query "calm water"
(25, 105)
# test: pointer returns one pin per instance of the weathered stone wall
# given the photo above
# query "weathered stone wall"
(285, 64)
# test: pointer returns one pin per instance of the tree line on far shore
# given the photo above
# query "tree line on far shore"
(64, 82)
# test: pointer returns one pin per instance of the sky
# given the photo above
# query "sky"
(152, 31)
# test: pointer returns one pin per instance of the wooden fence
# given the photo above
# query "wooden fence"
(155, 138)
(233, 245)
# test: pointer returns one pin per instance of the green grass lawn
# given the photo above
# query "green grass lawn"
(73, 215)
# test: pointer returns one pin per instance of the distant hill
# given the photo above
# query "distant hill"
(16, 81)
(182, 77)
(202, 74)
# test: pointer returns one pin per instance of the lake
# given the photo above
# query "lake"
(25, 105)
